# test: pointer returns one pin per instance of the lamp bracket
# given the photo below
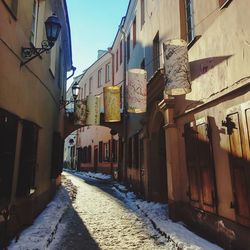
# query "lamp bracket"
(64, 103)
(33, 52)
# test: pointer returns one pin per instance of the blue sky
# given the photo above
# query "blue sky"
(94, 24)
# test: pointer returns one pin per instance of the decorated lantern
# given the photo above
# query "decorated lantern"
(112, 103)
(177, 69)
(80, 112)
(137, 91)
(93, 110)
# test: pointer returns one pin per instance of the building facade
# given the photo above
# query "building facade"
(30, 116)
(211, 125)
(190, 150)
(97, 147)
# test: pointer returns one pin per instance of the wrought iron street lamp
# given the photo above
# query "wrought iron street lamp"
(75, 91)
(53, 28)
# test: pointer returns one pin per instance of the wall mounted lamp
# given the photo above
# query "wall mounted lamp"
(53, 28)
(75, 91)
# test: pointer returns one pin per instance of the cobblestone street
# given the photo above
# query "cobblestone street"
(101, 221)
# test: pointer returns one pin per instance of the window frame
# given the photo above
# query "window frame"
(107, 72)
(128, 47)
(99, 77)
(90, 84)
(142, 13)
(156, 52)
(34, 24)
(117, 58)
(134, 32)
(189, 14)
(120, 52)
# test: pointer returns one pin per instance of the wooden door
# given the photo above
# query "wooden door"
(238, 124)
(199, 157)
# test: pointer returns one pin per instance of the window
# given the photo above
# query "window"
(89, 154)
(99, 78)
(156, 52)
(121, 52)
(100, 151)
(90, 85)
(189, 20)
(106, 151)
(134, 32)
(142, 12)
(85, 90)
(128, 47)
(33, 32)
(27, 167)
(114, 150)
(85, 154)
(12, 6)
(117, 58)
(107, 74)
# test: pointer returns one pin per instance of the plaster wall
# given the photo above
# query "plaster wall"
(219, 62)
(30, 91)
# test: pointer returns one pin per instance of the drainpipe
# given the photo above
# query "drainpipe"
(113, 72)
(125, 115)
(112, 137)
(73, 72)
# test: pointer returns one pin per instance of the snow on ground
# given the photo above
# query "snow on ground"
(157, 214)
(43, 230)
(40, 234)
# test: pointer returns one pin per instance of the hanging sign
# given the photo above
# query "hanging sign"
(137, 91)
(80, 112)
(112, 101)
(93, 110)
(177, 71)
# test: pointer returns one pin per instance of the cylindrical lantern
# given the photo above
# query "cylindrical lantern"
(177, 69)
(112, 103)
(80, 112)
(137, 91)
(93, 110)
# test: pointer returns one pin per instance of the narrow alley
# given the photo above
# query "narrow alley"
(103, 217)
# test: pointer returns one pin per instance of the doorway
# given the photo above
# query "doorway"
(8, 133)
(158, 170)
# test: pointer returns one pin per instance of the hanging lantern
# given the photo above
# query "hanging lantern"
(93, 110)
(112, 103)
(80, 112)
(177, 69)
(137, 91)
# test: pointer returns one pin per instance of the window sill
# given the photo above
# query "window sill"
(191, 43)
